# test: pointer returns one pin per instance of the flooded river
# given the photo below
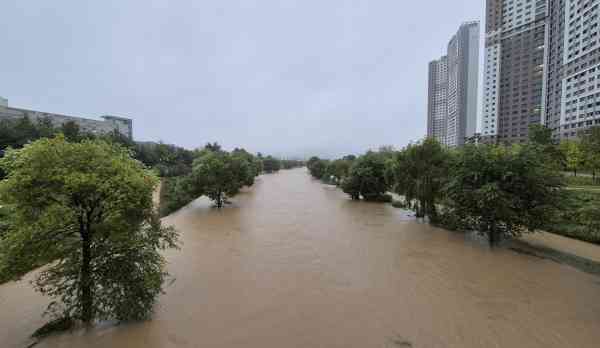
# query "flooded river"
(294, 263)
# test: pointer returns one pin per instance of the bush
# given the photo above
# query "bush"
(367, 177)
(579, 216)
(174, 195)
(502, 192)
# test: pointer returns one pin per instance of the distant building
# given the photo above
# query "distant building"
(437, 106)
(453, 80)
(107, 125)
(514, 69)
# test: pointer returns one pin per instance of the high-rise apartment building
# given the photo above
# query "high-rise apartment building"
(453, 79)
(572, 98)
(514, 69)
(437, 106)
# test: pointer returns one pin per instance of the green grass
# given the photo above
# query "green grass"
(576, 216)
(582, 181)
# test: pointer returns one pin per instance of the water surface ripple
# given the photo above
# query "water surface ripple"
(294, 263)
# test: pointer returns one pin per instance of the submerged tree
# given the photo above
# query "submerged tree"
(367, 177)
(249, 170)
(271, 164)
(502, 191)
(85, 210)
(419, 173)
(219, 175)
(339, 169)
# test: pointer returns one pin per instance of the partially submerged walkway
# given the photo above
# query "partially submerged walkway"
(563, 244)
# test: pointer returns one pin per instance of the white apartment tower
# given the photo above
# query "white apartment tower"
(453, 80)
(437, 99)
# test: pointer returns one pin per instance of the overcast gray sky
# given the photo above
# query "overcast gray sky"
(289, 77)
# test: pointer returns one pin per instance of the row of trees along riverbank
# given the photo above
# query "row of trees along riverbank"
(80, 206)
(173, 164)
(219, 175)
(500, 191)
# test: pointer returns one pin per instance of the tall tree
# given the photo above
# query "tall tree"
(71, 131)
(215, 147)
(590, 143)
(540, 134)
(219, 175)
(339, 169)
(271, 164)
(318, 169)
(85, 210)
(251, 169)
(502, 191)
(367, 177)
(573, 154)
(419, 173)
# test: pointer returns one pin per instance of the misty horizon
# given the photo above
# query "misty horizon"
(287, 78)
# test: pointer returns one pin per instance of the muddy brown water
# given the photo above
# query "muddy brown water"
(294, 263)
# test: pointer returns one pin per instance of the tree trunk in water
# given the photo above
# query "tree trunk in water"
(492, 234)
(220, 200)
(87, 313)
(419, 206)
(432, 211)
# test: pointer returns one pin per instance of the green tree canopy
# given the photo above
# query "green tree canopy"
(219, 175)
(590, 143)
(251, 169)
(502, 191)
(317, 167)
(367, 177)
(271, 164)
(71, 131)
(419, 173)
(85, 210)
(339, 169)
(540, 134)
(573, 154)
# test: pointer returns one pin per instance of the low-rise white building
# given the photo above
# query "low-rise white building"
(106, 125)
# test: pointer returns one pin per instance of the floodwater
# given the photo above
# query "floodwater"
(294, 263)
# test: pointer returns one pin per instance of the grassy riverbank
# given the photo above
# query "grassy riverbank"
(577, 218)
(173, 195)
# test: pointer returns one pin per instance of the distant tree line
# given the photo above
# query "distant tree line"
(167, 160)
(501, 191)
